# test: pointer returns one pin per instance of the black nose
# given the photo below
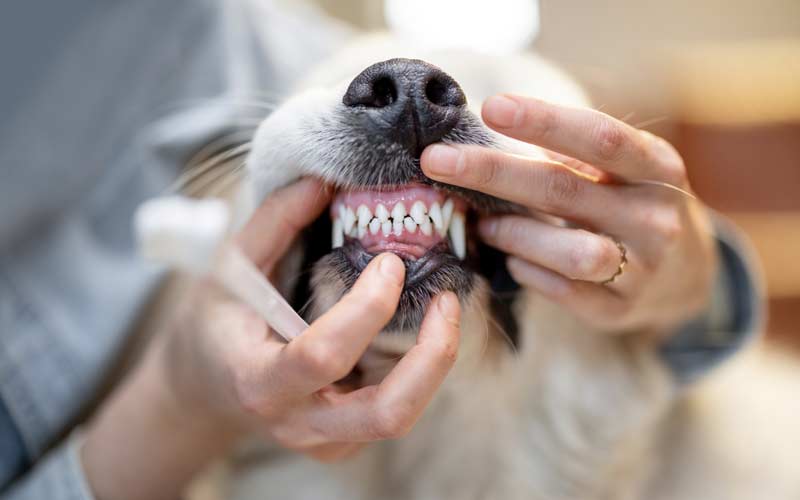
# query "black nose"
(408, 101)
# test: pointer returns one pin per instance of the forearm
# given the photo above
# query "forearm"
(144, 444)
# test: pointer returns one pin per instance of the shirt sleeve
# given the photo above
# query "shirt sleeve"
(733, 318)
(57, 476)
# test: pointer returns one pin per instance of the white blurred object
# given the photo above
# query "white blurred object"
(499, 26)
(191, 235)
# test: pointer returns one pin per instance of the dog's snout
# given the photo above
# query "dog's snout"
(407, 101)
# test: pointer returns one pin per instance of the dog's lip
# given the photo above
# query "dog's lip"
(417, 269)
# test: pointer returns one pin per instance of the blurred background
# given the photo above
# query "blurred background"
(720, 79)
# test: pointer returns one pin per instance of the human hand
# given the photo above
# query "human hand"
(599, 178)
(224, 362)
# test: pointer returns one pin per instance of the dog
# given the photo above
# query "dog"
(538, 406)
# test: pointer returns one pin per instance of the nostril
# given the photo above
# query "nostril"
(444, 91)
(436, 92)
(384, 93)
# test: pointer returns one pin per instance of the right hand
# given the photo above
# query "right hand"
(222, 363)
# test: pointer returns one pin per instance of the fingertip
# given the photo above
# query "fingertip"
(501, 111)
(449, 308)
(441, 160)
(392, 268)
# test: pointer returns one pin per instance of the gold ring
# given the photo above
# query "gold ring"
(623, 259)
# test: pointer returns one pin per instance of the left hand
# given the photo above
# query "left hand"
(591, 180)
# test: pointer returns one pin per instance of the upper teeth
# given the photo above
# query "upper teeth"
(441, 218)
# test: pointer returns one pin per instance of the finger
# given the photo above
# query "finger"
(595, 304)
(275, 224)
(389, 410)
(585, 134)
(573, 253)
(537, 184)
(332, 345)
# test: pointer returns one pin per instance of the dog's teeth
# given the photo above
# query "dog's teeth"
(418, 212)
(364, 215)
(386, 228)
(458, 238)
(397, 227)
(349, 220)
(447, 212)
(410, 225)
(362, 231)
(337, 239)
(342, 211)
(435, 213)
(374, 226)
(426, 227)
(381, 213)
(399, 212)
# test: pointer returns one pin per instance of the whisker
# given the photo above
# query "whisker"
(196, 174)
(652, 121)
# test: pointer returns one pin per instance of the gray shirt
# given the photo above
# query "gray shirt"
(100, 103)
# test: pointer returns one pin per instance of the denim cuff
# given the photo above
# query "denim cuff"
(58, 476)
(733, 319)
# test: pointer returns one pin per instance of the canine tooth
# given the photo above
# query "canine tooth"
(342, 211)
(374, 226)
(386, 228)
(337, 239)
(447, 213)
(418, 212)
(364, 215)
(457, 235)
(381, 213)
(397, 226)
(349, 220)
(398, 212)
(410, 225)
(435, 213)
(426, 227)
(362, 231)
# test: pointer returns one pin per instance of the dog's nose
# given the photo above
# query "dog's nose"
(408, 101)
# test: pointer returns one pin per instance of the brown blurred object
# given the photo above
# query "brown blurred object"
(738, 128)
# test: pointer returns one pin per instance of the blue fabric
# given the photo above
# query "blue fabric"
(13, 458)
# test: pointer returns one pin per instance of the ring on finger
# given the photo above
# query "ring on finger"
(623, 260)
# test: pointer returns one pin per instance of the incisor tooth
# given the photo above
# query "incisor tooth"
(447, 212)
(349, 220)
(410, 225)
(435, 213)
(362, 231)
(386, 228)
(342, 211)
(337, 238)
(374, 226)
(458, 238)
(381, 213)
(364, 215)
(418, 212)
(426, 227)
(398, 212)
(397, 226)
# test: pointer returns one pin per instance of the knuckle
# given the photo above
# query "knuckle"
(562, 188)
(490, 165)
(447, 352)
(611, 139)
(323, 361)
(391, 423)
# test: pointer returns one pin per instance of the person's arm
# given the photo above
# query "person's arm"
(219, 372)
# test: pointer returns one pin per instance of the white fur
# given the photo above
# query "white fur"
(573, 415)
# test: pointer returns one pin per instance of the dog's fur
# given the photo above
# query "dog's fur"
(565, 413)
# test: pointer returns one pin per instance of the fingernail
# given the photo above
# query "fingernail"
(449, 307)
(392, 267)
(500, 111)
(487, 228)
(442, 161)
